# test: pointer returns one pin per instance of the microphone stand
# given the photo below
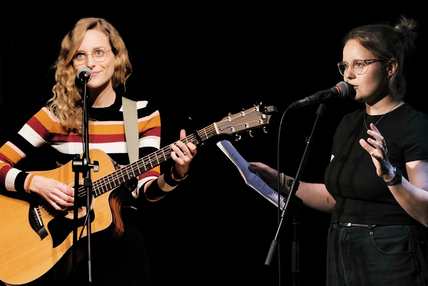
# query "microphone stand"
(83, 166)
(293, 200)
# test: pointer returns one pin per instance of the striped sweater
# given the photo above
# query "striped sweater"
(106, 133)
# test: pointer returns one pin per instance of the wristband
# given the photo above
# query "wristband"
(176, 176)
(396, 179)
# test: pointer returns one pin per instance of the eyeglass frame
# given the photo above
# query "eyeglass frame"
(86, 56)
(367, 63)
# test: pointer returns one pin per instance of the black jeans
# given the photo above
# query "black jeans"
(380, 255)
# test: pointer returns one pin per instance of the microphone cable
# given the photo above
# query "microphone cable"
(278, 163)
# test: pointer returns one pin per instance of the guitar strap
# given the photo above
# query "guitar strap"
(130, 118)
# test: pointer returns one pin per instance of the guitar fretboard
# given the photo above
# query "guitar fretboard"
(144, 164)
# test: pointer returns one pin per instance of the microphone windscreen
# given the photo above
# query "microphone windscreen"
(345, 89)
(84, 73)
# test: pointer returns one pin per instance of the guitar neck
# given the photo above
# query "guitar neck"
(146, 163)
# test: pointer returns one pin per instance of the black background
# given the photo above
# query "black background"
(204, 61)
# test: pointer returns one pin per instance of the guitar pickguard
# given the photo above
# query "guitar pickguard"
(61, 226)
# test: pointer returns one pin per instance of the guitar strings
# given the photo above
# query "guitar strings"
(121, 175)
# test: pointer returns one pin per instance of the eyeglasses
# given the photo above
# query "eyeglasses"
(98, 54)
(357, 66)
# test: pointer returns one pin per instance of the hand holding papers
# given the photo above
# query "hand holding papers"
(250, 178)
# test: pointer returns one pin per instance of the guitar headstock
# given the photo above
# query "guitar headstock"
(246, 120)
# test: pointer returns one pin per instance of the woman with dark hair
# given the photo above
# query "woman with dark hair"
(376, 184)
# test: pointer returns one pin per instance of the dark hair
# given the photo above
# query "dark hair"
(387, 42)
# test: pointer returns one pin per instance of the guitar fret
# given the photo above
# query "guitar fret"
(206, 135)
(125, 175)
(96, 188)
(113, 182)
(105, 188)
(133, 171)
(163, 152)
(157, 158)
(145, 166)
(136, 166)
(119, 180)
(109, 184)
(151, 164)
(141, 168)
(128, 171)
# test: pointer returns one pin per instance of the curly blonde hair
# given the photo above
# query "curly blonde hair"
(66, 103)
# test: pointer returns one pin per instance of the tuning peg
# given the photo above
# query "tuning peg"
(237, 137)
(251, 133)
(265, 130)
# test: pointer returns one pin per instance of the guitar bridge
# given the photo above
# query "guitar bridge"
(36, 221)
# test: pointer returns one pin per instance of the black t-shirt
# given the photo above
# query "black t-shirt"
(361, 196)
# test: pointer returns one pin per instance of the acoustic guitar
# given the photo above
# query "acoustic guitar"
(34, 236)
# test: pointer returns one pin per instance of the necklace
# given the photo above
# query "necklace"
(365, 124)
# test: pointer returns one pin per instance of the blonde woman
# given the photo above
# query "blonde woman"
(94, 43)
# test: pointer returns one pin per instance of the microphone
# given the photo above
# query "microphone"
(84, 74)
(342, 89)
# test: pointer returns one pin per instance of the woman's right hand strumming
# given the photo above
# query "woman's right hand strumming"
(57, 194)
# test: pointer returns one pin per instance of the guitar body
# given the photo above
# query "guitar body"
(34, 237)
(26, 254)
